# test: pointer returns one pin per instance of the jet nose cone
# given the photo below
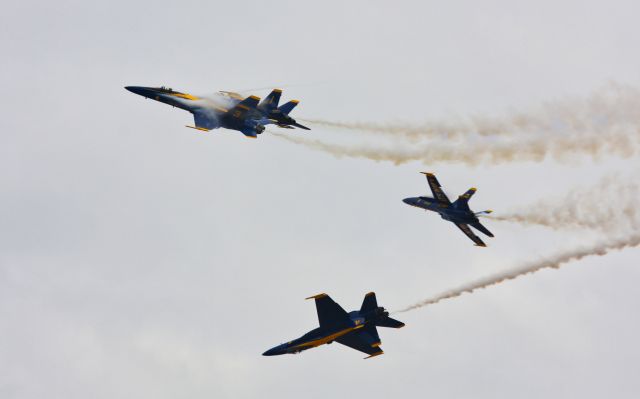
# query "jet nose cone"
(270, 352)
(141, 91)
(409, 201)
(278, 350)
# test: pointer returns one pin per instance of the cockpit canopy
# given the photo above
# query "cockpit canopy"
(167, 89)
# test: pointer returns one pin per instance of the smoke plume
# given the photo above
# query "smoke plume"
(553, 262)
(604, 109)
(607, 123)
(610, 205)
(623, 144)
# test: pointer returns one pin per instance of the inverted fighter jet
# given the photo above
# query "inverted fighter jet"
(457, 212)
(212, 112)
(356, 329)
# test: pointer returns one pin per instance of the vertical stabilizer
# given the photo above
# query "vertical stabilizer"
(369, 304)
(288, 107)
(462, 202)
(271, 101)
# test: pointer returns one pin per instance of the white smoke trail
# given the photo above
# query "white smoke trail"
(619, 143)
(607, 123)
(609, 205)
(604, 110)
(553, 262)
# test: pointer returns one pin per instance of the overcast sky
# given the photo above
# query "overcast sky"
(139, 258)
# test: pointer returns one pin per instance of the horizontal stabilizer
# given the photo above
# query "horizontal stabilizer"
(296, 124)
(389, 322)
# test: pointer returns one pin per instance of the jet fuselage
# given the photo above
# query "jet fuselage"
(320, 336)
(214, 112)
(447, 212)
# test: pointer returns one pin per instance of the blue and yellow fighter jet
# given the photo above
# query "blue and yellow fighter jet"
(457, 212)
(356, 329)
(224, 109)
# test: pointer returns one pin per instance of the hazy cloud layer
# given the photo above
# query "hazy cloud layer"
(139, 258)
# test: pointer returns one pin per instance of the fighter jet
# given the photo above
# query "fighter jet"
(356, 329)
(457, 212)
(278, 115)
(214, 112)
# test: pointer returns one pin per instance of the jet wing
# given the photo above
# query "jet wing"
(484, 230)
(244, 106)
(232, 94)
(436, 189)
(205, 119)
(363, 341)
(466, 230)
(330, 314)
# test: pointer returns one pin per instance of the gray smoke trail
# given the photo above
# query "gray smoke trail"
(606, 123)
(449, 129)
(623, 143)
(611, 204)
(603, 110)
(554, 262)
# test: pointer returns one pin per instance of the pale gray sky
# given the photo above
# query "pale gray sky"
(142, 259)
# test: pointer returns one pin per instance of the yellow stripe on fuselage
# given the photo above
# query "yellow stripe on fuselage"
(185, 96)
(328, 338)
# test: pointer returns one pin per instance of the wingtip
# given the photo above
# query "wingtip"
(204, 129)
(318, 296)
(375, 354)
(427, 173)
(369, 293)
